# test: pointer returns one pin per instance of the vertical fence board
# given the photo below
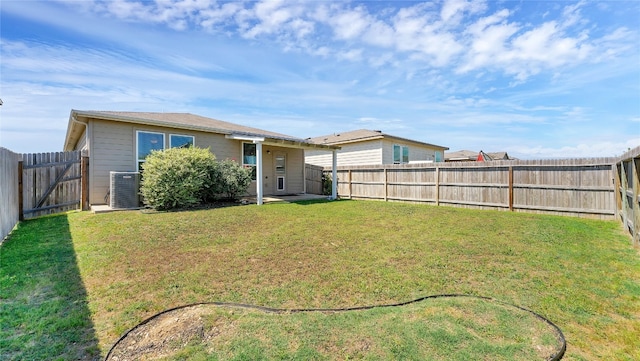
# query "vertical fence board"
(576, 187)
(9, 191)
(313, 178)
(51, 183)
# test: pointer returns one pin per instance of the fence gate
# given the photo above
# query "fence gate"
(49, 183)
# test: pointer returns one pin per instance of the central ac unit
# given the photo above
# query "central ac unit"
(124, 190)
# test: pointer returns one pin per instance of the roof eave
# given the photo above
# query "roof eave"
(234, 135)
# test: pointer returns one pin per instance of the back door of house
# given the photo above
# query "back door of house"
(281, 171)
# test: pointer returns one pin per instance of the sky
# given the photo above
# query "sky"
(537, 79)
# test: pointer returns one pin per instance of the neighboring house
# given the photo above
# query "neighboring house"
(471, 156)
(369, 147)
(120, 141)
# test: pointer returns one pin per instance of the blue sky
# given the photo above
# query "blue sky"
(538, 79)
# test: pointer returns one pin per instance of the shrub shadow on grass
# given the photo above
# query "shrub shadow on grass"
(43, 301)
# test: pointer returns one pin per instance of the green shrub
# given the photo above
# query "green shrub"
(327, 184)
(177, 177)
(233, 179)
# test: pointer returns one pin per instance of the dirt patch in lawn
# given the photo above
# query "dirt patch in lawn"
(486, 329)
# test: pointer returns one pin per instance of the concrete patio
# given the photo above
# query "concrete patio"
(104, 208)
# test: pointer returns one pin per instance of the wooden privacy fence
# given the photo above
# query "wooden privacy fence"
(51, 183)
(627, 185)
(313, 179)
(579, 187)
(9, 214)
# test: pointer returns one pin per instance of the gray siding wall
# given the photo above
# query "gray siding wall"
(370, 153)
(82, 143)
(294, 171)
(113, 148)
(361, 153)
(416, 152)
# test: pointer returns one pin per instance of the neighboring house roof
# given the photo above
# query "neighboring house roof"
(362, 135)
(180, 121)
(472, 156)
(499, 155)
(461, 155)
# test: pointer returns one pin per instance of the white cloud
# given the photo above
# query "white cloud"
(424, 66)
(349, 24)
(489, 38)
(271, 16)
(419, 34)
(452, 10)
(524, 50)
(380, 34)
(436, 35)
(350, 55)
(211, 18)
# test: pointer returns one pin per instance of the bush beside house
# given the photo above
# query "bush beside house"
(187, 177)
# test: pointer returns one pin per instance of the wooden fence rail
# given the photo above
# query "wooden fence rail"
(313, 179)
(50, 183)
(627, 195)
(567, 187)
(603, 188)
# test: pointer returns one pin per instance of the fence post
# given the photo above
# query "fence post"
(20, 193)
(84, 183)
(511, 188)
(386, 190)
(437, 186)
(635, 170)
(625, 203)
(617, 186)
(350, 191)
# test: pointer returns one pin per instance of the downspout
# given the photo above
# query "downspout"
(259, 177)
(334, 176)
(86, 128)
(85, 198)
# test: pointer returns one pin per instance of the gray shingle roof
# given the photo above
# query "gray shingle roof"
(361, 135)
(183, 121)
(190, 121)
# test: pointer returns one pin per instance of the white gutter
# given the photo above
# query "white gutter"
(86, 130)
(334, 176)
(245, 137)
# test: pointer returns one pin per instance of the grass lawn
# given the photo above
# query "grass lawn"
(71, 284)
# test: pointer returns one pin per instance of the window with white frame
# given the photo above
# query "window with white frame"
(439, 156)
(180, 141)
(249, 158)
(146, 142)
(400, 154)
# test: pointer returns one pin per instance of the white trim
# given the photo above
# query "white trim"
(334, 176)
(244, 137)
(284, 186)
(242, 156)
(259, 180)
(402, 147)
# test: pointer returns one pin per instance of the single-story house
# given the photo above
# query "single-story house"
(372, 147)
(120, 141)
(472, 156)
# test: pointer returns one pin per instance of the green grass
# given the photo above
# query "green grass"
(433, 329)
(43, 304)
(72, 284)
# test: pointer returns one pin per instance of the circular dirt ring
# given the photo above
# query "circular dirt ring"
(436, 326)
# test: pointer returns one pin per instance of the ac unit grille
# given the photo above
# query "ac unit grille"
(124, 190)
